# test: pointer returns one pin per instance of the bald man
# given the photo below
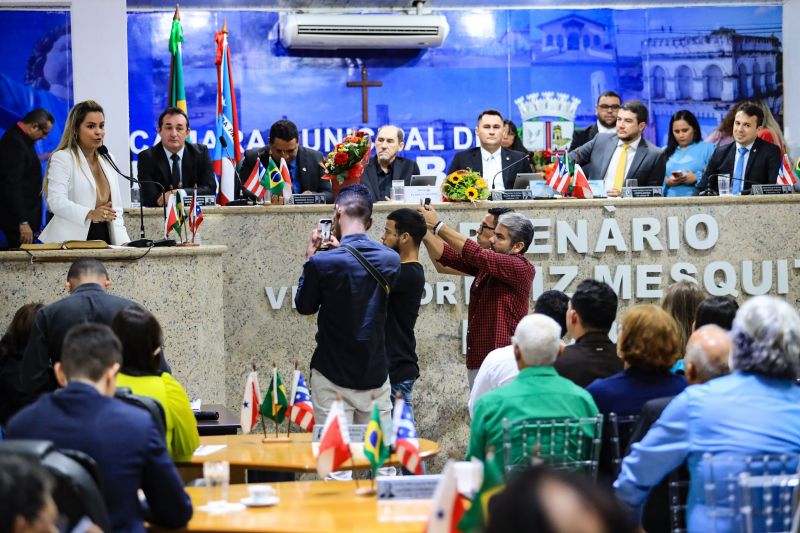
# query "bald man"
(386, 165)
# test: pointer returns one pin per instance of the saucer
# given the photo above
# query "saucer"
(267, 502)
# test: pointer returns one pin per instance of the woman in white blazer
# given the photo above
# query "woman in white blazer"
(80, 185)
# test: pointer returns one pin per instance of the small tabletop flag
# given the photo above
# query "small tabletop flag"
(493, 482)
(273, 180)
(276, 405)
(785, 175)
(406, 441)
(195, 215)
(254, 181)
(448, 503)
(375, 449)
(334, 444)
(559, 181)
(301, 411)
(251, 403)
(581, 188)
(172, 223)
(287, 180)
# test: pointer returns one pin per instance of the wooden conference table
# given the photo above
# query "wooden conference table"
(308, 506)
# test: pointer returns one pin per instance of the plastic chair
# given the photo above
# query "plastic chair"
(149, 404)
(78, 485)
(620, 429)
(678, 490)
(768, 502)
(563, 443)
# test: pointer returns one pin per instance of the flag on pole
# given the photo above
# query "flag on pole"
(276, 409)
(180, 194)
(448, 503)
(287, 180)
(273, 180)
(254, 181)
(580, 185)
(559, 180)
(172, 222)
(301, 411)
(251, 403)
(785, 175)
(405, 437)
(177, 93)
(334, 444)
(477, 516)
(195, 215)
(375, 449)
(225, 160)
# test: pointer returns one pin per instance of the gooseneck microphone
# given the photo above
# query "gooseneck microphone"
(142, 242)
(243, 197)
(526, 158)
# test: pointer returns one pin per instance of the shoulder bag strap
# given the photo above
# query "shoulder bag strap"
(369, 267)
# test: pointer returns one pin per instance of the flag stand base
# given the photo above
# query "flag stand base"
(273, 440)
(187, 244)
(366, 491)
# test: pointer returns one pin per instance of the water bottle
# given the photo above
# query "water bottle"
(135, 197)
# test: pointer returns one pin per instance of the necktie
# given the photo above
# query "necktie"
(619, 176)
(176, 170)
(738, 172)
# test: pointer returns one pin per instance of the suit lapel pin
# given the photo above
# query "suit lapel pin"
(304, 169)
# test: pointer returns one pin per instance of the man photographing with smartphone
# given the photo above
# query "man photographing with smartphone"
(349, 286)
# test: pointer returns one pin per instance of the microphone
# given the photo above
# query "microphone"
(242, 195)
(708, 191)
(142, 242)
(526, 158)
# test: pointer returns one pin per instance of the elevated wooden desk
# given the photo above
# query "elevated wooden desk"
(311, 506)
(227, 423)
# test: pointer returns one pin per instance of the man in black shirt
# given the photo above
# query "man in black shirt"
(403, 233)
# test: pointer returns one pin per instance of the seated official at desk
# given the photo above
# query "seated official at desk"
(81, 186)
(687, 155)
(140, 334)
(173, 162)
(304, 163)
(748, 160)
(623, 156)
(386, 165)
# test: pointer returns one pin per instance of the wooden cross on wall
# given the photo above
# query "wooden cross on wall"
(363, 84)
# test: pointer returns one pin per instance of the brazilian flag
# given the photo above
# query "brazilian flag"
(273, 179)
(177, 93)
(374, 448)
(276, 404)
(493, 482)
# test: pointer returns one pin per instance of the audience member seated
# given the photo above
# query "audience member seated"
(510, 139)
(680, 301)
(625, 155)
(142, 341)
(747, 161)
(723, 135)
(537, 392)
(649, 346)
(544, 500)
(771, 131)
(686, 154)
(755, 409)
(123, 440)
(12, 346)
(717, 310)
(500, 366)
(26, 492)
(88, 301)
(590, 314)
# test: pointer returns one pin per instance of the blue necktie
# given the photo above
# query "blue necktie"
(738, 173)
(296, 185)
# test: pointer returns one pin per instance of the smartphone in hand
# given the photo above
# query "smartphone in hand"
(325, 225)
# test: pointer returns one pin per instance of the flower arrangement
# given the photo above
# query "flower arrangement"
(464, 185)
(345, 164)
(542, 159)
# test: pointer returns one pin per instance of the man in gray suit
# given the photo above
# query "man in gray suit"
(625, 155)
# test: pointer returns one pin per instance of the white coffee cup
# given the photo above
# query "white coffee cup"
(260, 493)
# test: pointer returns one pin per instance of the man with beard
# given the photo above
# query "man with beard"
(607, 107)
(386, 165)
(624, 155)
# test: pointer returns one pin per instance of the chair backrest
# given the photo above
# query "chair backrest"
(149, 404)
(678, 490)
(78, 485)
(619, 433)
(563, 443)
(750, 493)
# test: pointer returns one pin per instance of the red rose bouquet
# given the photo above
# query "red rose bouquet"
(345, 164)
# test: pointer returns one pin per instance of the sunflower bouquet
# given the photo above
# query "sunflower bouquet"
(464, 186)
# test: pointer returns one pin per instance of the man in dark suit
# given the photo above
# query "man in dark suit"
(87, 283)
(625, 155)
(608, 105)
(173, 162)
(748, 160)
(590, 314)
(304, 163)
(386, 165)
(129, 450)
(490, 158)
(21, 178)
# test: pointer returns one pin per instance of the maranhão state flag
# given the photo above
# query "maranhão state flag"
(334, 445)
(785, 175)
(559, 181)
(405, 437)
(302, 410)
(251, 403)
(253, 181)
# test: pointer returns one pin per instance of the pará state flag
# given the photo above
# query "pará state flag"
(301, 411)
(251, 403)
(334, 445)
(276, 405)
(448, 504)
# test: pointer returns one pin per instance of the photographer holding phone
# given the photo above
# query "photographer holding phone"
(686, 153)
(349, 287)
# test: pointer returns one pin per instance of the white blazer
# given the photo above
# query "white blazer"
(72, 193)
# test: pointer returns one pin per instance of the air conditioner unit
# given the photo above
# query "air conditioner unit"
(362, 31)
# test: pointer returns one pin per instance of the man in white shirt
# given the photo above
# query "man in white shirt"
(500, 365)
(498, 166)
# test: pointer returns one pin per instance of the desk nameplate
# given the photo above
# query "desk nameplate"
(407, 487)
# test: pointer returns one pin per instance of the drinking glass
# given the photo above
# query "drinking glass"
(217, 476)
(398, 190)
(724, 184)
(629, 184)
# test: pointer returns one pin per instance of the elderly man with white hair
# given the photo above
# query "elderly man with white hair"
(754, 410)
(537, 392)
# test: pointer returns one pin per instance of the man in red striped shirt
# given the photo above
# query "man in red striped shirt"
(500, 294)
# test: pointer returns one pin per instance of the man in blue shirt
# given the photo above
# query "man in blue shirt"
(754, 410)
(350, 357)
